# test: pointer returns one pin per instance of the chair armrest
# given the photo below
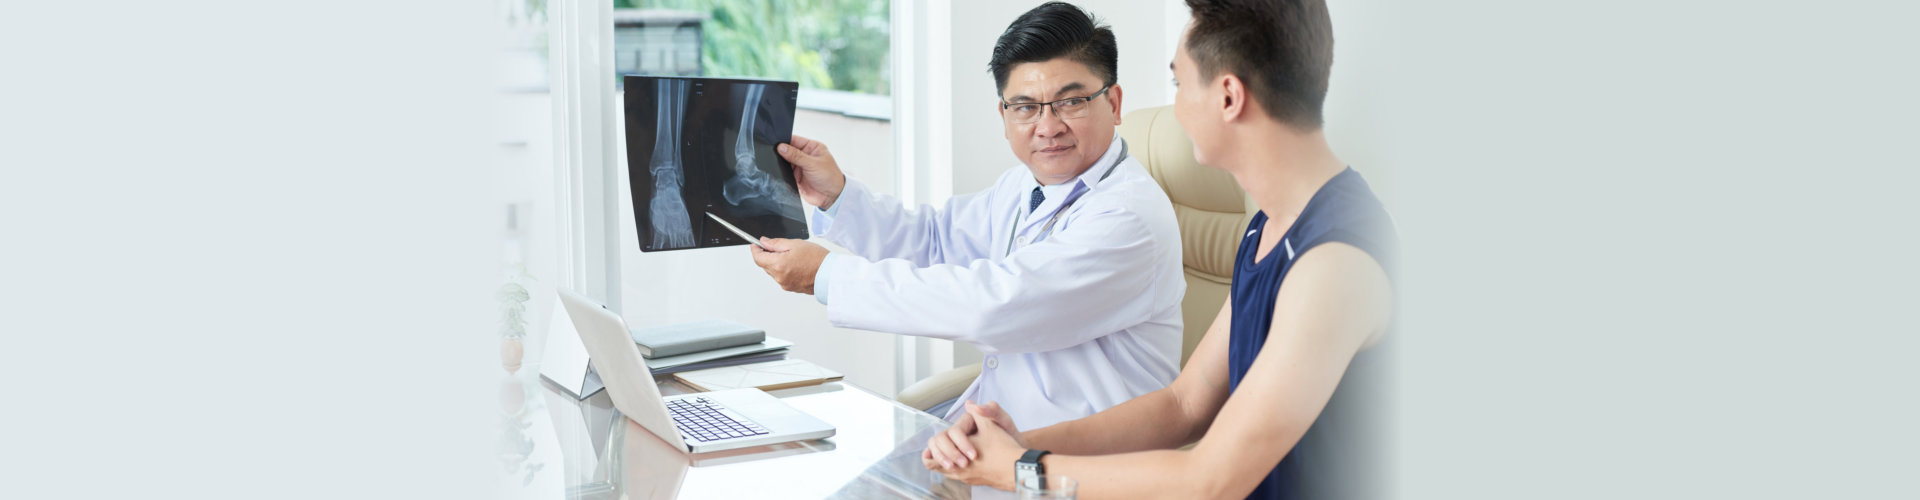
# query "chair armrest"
(939, 388)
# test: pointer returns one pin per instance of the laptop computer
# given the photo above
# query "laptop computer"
(696, 423)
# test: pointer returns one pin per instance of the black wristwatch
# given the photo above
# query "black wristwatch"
(1029, 466)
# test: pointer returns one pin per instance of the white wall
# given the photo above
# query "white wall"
(688, 285)
(1357, 124)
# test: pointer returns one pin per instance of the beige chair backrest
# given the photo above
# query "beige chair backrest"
(1212, 209)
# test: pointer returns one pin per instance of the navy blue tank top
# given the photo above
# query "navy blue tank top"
(1341, 455)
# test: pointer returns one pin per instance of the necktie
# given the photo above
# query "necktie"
(1034, 201)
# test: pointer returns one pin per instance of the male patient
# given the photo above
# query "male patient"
(1284, 397)
(1066, 272)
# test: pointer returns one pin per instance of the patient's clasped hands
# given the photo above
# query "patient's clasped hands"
(979, 449)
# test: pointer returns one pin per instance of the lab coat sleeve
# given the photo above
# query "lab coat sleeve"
(821, 275)
(876, 226)
(1093, 277)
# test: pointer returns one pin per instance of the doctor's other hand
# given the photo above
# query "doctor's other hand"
(791, 263)
(996, 449)
(818, 176)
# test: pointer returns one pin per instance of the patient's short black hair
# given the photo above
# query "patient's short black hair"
(1051, 31)
(1281, 49)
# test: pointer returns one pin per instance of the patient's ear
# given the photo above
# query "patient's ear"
(1233, 96)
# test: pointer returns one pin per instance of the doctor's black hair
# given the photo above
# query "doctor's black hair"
(1054, 30)
(1281, 49)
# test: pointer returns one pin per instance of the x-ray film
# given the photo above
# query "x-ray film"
(699, 145)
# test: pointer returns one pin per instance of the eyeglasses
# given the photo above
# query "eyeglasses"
(1029, 112)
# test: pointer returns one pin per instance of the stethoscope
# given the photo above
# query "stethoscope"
(1013, 236)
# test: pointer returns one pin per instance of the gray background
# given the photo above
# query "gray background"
(1653, 249)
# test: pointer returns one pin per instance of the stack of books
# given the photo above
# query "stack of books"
(706, 344)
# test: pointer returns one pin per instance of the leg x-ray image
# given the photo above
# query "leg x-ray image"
(667, 221)
(697, 145)
(753, 190)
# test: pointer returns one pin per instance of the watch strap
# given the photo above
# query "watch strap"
(1029, 464)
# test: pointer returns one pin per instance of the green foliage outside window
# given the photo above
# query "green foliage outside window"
(825, 44)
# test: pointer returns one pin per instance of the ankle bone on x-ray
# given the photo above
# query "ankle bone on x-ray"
(668, 211)
(749, 182)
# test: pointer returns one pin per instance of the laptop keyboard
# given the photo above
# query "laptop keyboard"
(702, 419)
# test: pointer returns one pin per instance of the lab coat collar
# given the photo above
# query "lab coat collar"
(1091, 177)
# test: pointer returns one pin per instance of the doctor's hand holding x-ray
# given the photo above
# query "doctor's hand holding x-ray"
(1065, 273)
(793, 263)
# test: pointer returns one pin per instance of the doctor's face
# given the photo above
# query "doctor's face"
(1061, 141)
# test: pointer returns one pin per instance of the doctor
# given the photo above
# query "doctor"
(1066, 273)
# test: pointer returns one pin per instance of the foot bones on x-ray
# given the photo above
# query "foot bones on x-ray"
(750, 184)
(668, 212)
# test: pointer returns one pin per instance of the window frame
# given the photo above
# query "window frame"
(580, 67)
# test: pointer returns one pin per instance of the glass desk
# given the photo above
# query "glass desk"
(555, 446)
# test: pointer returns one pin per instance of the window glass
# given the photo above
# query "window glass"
(823, 44)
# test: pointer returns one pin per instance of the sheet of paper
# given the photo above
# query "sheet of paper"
(768, 376)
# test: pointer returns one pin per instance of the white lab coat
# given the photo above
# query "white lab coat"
(1083, 318)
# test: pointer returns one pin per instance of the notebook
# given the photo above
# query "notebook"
(683, 338)
(670, 364)
(744, 359)
(767, 376)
